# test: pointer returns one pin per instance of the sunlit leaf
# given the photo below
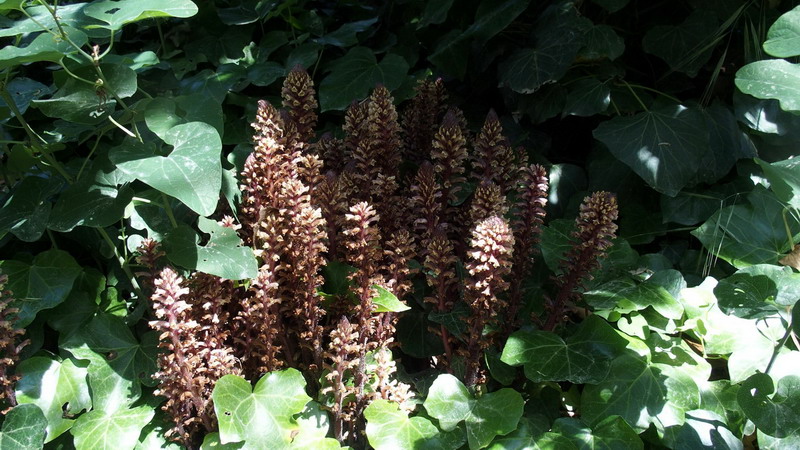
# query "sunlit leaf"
(118, 430)
(23, 428)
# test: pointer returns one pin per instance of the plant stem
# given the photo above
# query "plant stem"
(641, 103)
(124, 264)
(168, 209)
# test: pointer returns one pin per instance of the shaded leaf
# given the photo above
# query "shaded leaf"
(45, 47)
(27, 209)
(55, 387)
(434, 13)
(492, 414)
(355, 74)
(42, 284)
(684, 47)
(702, 430)
(784, 179)
(665, 147)
(162, 113)
(773, 410)
(601, 42)
(611, 433)
(346, 35)
(22, 90)
(192, 172)
(118, 430)
(587, 98)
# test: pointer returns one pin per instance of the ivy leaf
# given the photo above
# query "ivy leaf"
(314, 425)
(385, 301)
(702, 430)
(727, 144)
(559, 35)
(774, 78)
(118, 430)
(641, 393)
(192, 172)
(784, 179)
(223, 255)
(388, 427)
(163, 114)
(116, 13)
(42, 284)
(55, 387)
(22, 90)
(753, 292)
(611, 433)
(587, 98)
(355, 74)
(119, 363)
(27, 210)
(602, 42)
(663, 146)
(492, 414)
(775, 415)
(23, 428)
(749, 233)
(528, 435)
(684, 47)
(415, 336)
(584, 358)
(43, 48)
(783, 37)
(93, 201)
(263, 417)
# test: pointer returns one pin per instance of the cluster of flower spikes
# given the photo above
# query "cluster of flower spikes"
(10, 346)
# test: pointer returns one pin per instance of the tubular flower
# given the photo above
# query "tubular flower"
(343, 361)
(527, 225)
(426, 204)
(421, 117)
(384, 131)
(10, 347)
(487, 201)
(299, 99)
(595, 228)
(449, 155)
(489, 262)
(493, 158)
(440, 275)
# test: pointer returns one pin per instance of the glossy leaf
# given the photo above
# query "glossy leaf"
(774, 78)
(783, 37)
(223, 255)
(702, 430)
(749, 233)
(385, 301)
(601, 42)
(262, 417)
(43, 48)
(118, 362)
(22, 91)
(116, 13)
(354, 75)
(23, 428)
(55, 387)
(529, 435)
(41, 284)
(492, 414)
(162, 114)
(784, 179)
(587, 98)
(773, 410)
(192, 172)
(663, 146)
(388, 427)
(118, 430)
(26, 211)
(611, 433)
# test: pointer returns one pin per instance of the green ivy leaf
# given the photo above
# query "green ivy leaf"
(754, 293)
(587, 98)
(783, 37)
(223, 255)
(492, 414)
(45, 47)
(584, 358)
(775, 415)
(784, 179)
(611, 433)
(263, 417)
(559, 35)
(385, 301)
(355, 74)
(702, 430)
(163, 114)
(42, 284)
(23, 428)
(727, 144)
(55, 387)
(118, 430)
(684, 47)
(663, 146)
(116, 13)
(641, 393)
(27, 210)
(192, 172)
(528, 435)
(93, 201)
(602, 42)
(749, 233)
(389, 428)
(118, 362)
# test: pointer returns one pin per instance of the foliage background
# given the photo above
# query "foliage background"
(638, 98)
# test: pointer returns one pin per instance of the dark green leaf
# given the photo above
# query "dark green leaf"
(55, 387)
(686, 47)
(346, 35)
(612, 5)
(390, 428)
(749, 233)
(665, 147)
(611, 433)
(775, 415)
(602, 42)
(355, 74)
(702, 430)
(27, 210)
(42, 284)
(162, 113)
(22, 91)
(587, 98)
(492, 414)
(784, 179)
(223, 255)
(192, 172)
(434, 13)
(415, 337)
(527, 436)
(23, 427)
(727, 144)
(118, 430)
(493, 17)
